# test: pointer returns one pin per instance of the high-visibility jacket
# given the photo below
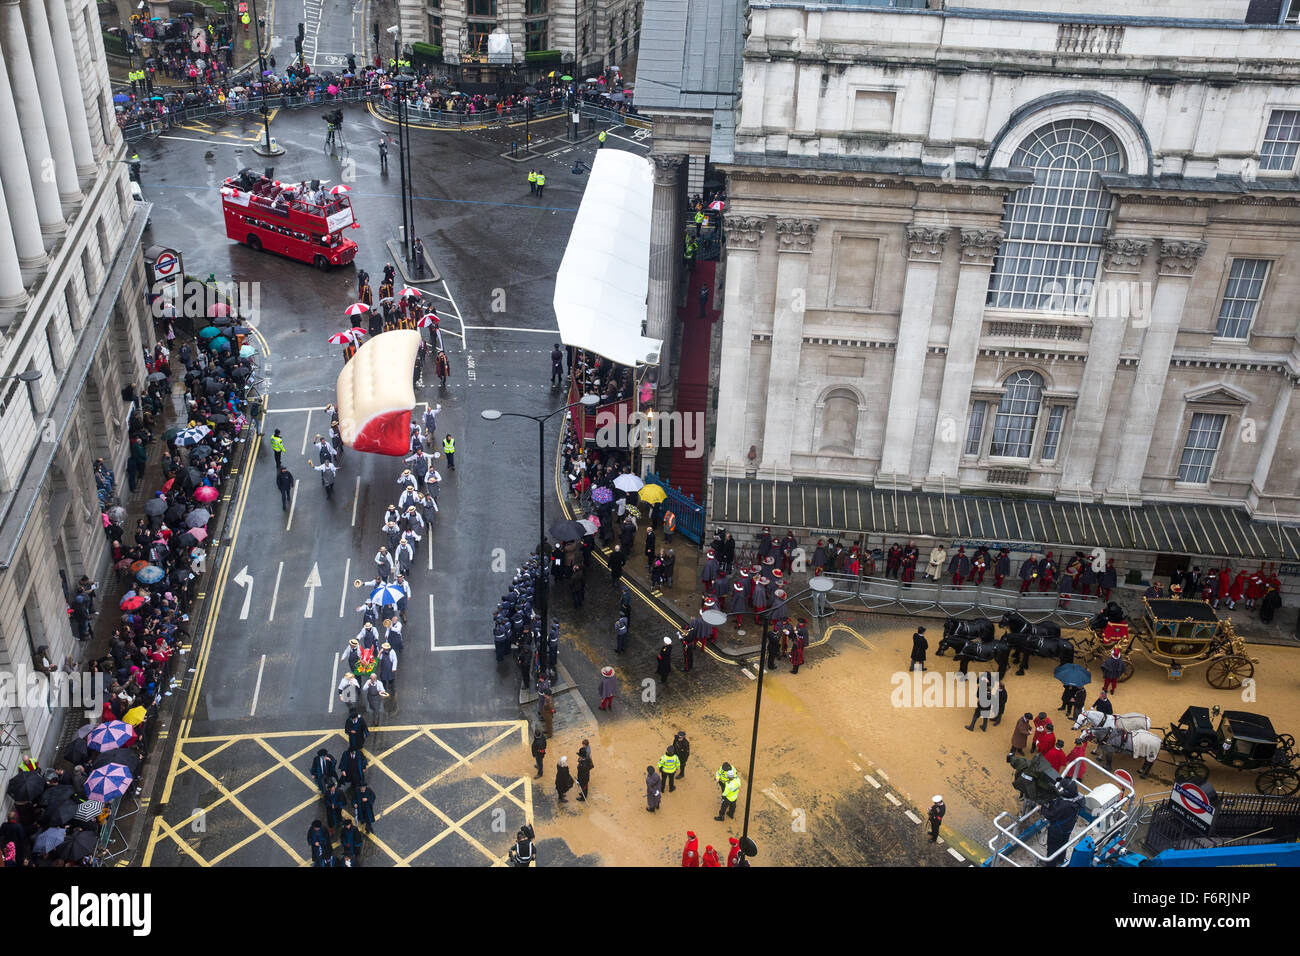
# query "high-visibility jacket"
(700, 218)
(541, 179)
(731, 791)
(670, 522)
(601, 137)
(532, 177)
(448, 446)
(277, 443)
(670, 763)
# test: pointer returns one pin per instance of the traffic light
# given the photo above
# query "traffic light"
(302, 33)
(352, 63)
(297, 45)
(375, 27)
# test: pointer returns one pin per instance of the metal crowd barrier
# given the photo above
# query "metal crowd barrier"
(892, 596)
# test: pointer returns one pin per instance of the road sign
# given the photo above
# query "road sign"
(1193, 804)
(165, 265)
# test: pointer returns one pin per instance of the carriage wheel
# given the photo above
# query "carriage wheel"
(1278, 781)
(1191, 771)
(1228, 673)
(1172, 742)
(1128, 671)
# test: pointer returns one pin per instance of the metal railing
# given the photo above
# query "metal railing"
(690, 514)
(892, 595)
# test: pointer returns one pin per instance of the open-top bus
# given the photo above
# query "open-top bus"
(264, 213)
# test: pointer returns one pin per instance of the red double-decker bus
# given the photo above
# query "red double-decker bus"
(297, 221)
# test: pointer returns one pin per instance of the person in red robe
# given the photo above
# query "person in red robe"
(1238, 589)
(691, 852)
(711, 857)
(1056, 756)
(1042, 729)
(1080, 750)
(1255, 587)
(734, 857)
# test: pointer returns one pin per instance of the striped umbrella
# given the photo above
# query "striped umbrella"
(408, 291)
(340, 189)
(342, 338)
(107, 783)
(89, 811)
(427, 321)
(192, 436)
(110, 735)
(388, 594)
(356, 308)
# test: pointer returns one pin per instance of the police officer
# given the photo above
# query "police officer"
(935, 816)
(541, 183)
(682, 747)
(277, 446)
(601, 140)
(669, 764)
(730, 794)
(449, 450)
(523, 853)
(532, 182)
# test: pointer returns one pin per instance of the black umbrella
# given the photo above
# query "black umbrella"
(79, 845)
(154, 507)
(567, 531)
(186, 540)
(77, 751)
(189, 478)
(26, 787)
(218, 419)
(213, 386)
(156, 376)
(61, 814)
(241, 373)
(55, 795)
(199, 452)
(126, 756)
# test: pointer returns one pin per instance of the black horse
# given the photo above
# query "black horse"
(1041, 640)
(984, 651)
(957, 632)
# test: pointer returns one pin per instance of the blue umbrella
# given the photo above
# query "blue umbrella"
(247, 352)
(192, 436)
(1073, 675)
(110, 735)
(150, 574)
(107, 783)
(388, 594)
(219, 344)
(208, 332)
(121, 98)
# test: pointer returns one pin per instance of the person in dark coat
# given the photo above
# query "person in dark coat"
(350, 841)
(365, 807)
(323, 769)
(355, 727)
(352, 768)
(1020, 736)
(563, 780)
(320, 844)
(653, 782)
(616, 561)
(665, 660)
(1001, 567)
(1112, 669)
(1268, 607)
(682, 747)
(585, 766)
(1102, 704)
(539, 748)
(335, 802)
(919, 646)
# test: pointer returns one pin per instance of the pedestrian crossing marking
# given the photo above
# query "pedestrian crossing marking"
(873, 781)
(893, 799)
(192, 753)
(912, 816)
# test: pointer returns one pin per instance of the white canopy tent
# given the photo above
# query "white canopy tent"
(600, 291)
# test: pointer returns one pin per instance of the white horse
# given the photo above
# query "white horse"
(1096, 720)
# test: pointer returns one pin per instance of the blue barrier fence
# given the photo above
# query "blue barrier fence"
(690, 514)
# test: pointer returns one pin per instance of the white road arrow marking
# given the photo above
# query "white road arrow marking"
(313, 582)
(245, 580)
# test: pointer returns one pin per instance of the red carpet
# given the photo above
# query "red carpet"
(687, 474)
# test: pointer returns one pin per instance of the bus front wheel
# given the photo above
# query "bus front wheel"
(254, 243)
(322, 264)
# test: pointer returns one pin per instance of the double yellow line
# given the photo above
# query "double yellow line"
(214, 596)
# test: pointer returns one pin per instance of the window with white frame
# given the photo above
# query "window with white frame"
(975, 430)
(1281, 141)
(1241, 298)
(1202, 445)
(1017, 417)
(1055, 228)
(1052, 439)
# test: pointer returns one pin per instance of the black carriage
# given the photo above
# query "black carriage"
(1241, 740)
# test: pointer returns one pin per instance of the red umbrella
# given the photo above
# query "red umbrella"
(342, 338)
(340, 189)
(356, 308)
(205, 493)
(137, 565)
(167, 485)
(427, 321)
(717, 205)
(358, 331)
(131, 603)
(408, 291)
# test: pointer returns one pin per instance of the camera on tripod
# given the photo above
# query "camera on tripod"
(334, 118)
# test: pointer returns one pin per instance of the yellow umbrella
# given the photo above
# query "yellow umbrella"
(652, 494)
(552, 73)
(134, 716)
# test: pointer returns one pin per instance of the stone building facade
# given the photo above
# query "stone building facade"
(1001, 246)
(72, 308)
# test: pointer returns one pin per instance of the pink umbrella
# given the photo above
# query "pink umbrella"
(427, 322)
(217, 309)
(408, 291)
(331, 89)
(717, 205)
(356, 308)
(340, 189)
(206, 493)
(198, 533)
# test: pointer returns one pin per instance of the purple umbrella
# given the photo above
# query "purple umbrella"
(602, 496)
(106, 784)
(110, 735)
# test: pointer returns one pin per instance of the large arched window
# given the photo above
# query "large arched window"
(839, 432)
(1055, 227)
(1013, 429)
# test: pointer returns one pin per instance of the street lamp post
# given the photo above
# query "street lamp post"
(268, 148)
(403, 82)
(491, 414)
(715, 618)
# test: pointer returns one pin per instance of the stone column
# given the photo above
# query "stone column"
(1178, 261)
(1268, 448)
(1112, 306)
(31, 120)
(51, 91)
(74, 96)
(744, 233)
(794, 252)
(664, 256)
(924, 253)
(12, 293)
(20, 201)
(978, 249)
